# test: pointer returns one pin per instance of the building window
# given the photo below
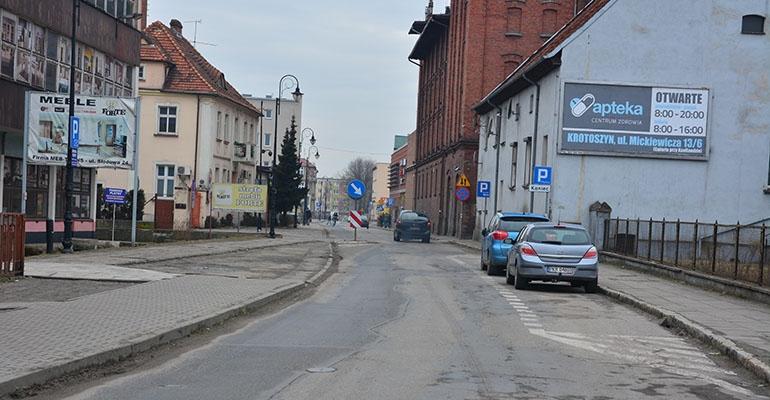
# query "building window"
(227, 127)
(268, 113)
(753, 25)
(514, 22)
(531, 103)
(514, 163)
(266, 140)
(216, 175)
(167, 120)
(246, 133)
(165, 181)
(528, 161)
(549, 23)
(12, 184)
(141, 72)
(81, 193)
(544, 155)
(219, 125)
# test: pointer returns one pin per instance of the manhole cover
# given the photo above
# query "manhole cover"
(321, 370)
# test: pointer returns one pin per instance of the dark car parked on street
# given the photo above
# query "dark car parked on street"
(412, 225)
(553, 253)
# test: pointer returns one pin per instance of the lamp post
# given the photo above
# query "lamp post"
(307, 172)
(302, 136)
(293, 82)
(68, 171)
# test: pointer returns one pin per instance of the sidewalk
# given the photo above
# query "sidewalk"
(739, 328)
(46, 339)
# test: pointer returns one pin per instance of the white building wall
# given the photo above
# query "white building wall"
(658, 42)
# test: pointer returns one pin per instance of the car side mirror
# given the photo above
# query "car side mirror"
(508, 241)
(484, 232)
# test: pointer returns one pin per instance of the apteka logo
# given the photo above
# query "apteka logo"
(581, 105)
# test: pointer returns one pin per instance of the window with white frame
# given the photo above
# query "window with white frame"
(246, 134)
(227, 127)
(219, 125)
(141, 72)
(514, 163)
(268, 113)
(266, 140)
(165, 181)
(237, 133)
(528, 161)
(167, 120)
(544, 156)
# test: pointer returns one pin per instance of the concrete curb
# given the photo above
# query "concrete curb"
(150, 341)
(464, 245)
(740, 289)
(697, 331)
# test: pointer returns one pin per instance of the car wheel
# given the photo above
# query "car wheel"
(491, 270)
(592, 287)
(483, 265)
(521, 283)
(575, 284)
(426, 239)
(509, 279)
(396, 237)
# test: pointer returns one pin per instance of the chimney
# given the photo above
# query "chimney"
(143, 20)
(429, 10)
(176, 26)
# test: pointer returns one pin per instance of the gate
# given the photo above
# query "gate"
(11, 244)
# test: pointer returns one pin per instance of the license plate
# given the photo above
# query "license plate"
(561, 270)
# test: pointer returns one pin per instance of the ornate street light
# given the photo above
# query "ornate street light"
(307, 170)
(291, 82)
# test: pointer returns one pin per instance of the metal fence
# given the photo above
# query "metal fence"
(12, 237)
(738, 252)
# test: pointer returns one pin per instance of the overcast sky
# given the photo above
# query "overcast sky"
(349, 55)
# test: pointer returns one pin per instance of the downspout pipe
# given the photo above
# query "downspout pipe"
(534, 139)
(194, 199)
(498, 133)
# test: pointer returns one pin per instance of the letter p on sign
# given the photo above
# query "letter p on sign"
(543, 175)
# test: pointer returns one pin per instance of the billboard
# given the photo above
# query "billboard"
(240, 197)
(107, 129)
(643, 121)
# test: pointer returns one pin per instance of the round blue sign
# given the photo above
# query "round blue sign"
(356, 189)
(463, 194)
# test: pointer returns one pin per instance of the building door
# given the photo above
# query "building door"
(195, 217)
(164, 214)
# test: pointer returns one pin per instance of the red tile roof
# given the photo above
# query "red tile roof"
(190, 72)
(539, 55)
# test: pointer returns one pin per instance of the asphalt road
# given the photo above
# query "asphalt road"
(420, 321)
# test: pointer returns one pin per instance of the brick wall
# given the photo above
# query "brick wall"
(486, 41)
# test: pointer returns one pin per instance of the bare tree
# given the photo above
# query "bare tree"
(363, 170)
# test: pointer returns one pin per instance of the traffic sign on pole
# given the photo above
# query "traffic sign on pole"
(462, 193)
(75, 139)
(483, 189)
(356, 189)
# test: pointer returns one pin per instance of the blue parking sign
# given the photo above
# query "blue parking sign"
(543, 175)
(483, 189)
(75, 132)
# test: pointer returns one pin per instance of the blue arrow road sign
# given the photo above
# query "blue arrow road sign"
(114, 196)
(543, 175)
(75, 132)
(483, 189)
(356, 189)
(391, 201)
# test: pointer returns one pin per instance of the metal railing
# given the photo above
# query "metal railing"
(738, 252)
(12, 236)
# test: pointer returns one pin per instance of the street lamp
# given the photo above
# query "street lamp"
(302, 137)
(307, 170)
(292, 82)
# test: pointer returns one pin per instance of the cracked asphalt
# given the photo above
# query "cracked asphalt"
(420, 321)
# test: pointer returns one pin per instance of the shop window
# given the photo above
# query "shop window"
(12, 185)
(81, 193)
(753, 25)
(165, 181)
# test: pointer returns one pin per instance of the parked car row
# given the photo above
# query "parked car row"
(526, 247)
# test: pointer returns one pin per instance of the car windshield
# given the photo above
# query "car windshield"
(515, 224)
(559, 235)
(413, 216)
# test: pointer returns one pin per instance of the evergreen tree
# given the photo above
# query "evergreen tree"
(288, 179)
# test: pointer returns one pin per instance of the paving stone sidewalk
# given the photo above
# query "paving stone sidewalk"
(42, 340)
(744, 322)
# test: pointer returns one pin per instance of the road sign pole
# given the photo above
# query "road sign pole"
(113, 222)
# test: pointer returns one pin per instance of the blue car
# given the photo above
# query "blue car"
(504, 225)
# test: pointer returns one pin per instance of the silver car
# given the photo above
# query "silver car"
(553, 253)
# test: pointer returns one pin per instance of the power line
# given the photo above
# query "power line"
(353, 151)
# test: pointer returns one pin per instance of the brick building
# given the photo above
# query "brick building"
(397, 174)
(463, 54)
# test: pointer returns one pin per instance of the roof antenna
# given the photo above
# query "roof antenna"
(195, 33)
